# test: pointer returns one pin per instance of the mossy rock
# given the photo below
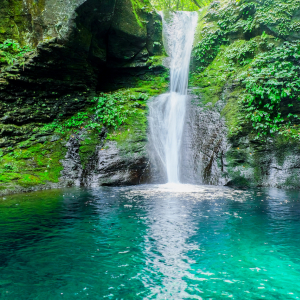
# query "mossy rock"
(32, 166)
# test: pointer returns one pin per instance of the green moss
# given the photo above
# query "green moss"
(137, 7)
(225, 71)
(133, 133)
(133, 104)
(88, 146)
(153, 85)
(200, 25)
(14, 21)
(232, 112)
(35, 165)
(156, 61)
(8, 26)
(134, 129)
(32, 163)
(211, 82)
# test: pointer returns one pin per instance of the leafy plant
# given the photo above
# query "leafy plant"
(273, 86)
(241, 52)
(110, 110)
(208, 48)
(11, 52)
(175, 5)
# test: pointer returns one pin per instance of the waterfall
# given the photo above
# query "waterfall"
(167, 111)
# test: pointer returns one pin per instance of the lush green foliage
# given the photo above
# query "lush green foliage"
(269, 74)
(273, 86)
(267, 96)
(109, 110)
(249, 14)
(228, 19)
(231, 18)
(241, 52)
(175, 5)
(205, 51)
(278, 14)
(11, 52)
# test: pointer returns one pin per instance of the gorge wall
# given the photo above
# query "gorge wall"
(245, 85)
(75, 50)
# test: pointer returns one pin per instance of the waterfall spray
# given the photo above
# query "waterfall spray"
(167, 111)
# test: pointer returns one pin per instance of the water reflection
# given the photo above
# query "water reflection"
(151, 242)
(166, 244)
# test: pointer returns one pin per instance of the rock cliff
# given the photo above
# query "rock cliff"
(75, 49)
(245, 76)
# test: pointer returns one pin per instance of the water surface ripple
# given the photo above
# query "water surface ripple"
(150, 242)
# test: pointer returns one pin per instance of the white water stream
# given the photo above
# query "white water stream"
(167, 111)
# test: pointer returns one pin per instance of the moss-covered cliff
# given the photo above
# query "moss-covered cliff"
(246, 68)
(56, 60)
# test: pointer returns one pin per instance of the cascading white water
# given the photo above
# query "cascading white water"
(167, 111)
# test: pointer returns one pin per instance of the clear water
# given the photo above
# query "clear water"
(167, 112)
(150, 242)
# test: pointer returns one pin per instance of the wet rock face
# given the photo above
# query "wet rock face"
(210, 157)
(285, 174)
(204, 144)
(72, 169)
(125, 39)
(110, 164)
(272, 164)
